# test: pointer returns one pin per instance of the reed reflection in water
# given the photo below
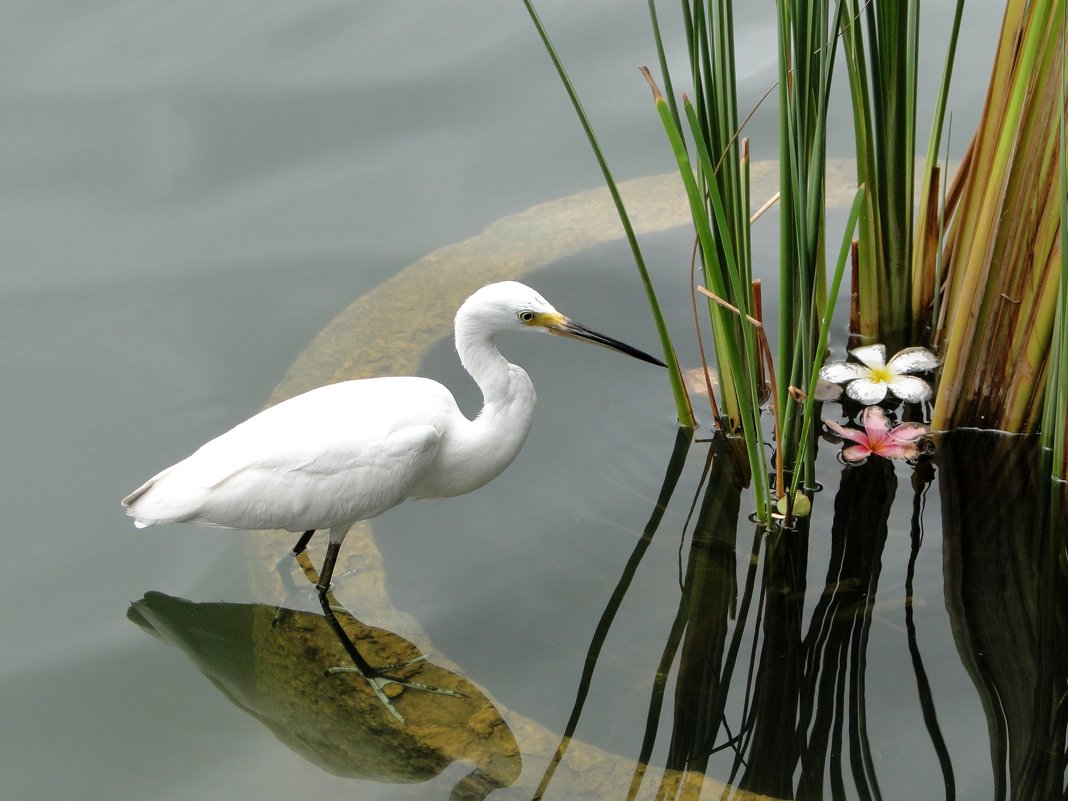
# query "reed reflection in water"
(771, 680)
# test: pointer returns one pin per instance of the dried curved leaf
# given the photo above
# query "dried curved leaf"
(827, 391)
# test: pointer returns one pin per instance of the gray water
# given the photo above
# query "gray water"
(189, 193)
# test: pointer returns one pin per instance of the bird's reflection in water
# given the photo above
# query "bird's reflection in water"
(380, 676)
(277, 668)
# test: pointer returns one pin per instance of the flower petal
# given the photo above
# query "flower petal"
(897, 451)
(866, 391)
(856, 453)
(876, 426)
(909, 388)
(841, 372)
(873, 356)
(913, 360)
(907, 432)
(852, 434)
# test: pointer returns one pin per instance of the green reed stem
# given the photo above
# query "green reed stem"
(661, 57)
(740, 291)
(678, 389)
(741, 360)
(1055, 413)
(807, 34)
(825, 329)
(1003, 261)
(882, 77)
(921, 301)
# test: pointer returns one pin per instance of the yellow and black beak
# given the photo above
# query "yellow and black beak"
(561, 326)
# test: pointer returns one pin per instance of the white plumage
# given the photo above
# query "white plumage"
(349, 451)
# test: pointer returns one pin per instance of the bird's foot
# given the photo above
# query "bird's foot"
(379, 679)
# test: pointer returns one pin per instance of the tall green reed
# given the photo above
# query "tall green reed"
(897, 249)
(1003, 248)
(713, 166)
(720, 177)
(726, 276)
(718, 192)
(926, 265)
(678, 389)
(1055, 412)
(807, 34)
(716, 177)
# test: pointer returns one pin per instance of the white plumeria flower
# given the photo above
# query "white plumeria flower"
(869, 381)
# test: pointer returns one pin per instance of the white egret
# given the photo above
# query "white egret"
(349, 451)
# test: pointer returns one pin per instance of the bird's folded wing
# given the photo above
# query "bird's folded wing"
(321, 452)
(321, 483)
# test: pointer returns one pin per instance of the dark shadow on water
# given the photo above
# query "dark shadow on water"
(1006, 590)
(275, 668)
(921, 482)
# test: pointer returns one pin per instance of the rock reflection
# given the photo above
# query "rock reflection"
(275, 668)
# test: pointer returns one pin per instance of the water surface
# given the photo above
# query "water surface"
(190, 192)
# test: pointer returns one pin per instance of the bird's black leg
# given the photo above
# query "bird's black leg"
(328, 565)
(302, 543)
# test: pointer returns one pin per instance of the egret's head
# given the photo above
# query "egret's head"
(510, 306)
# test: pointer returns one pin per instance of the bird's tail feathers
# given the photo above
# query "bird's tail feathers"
(156, 502)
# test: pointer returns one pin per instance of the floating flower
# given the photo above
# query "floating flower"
(869, 381)
(879, 437)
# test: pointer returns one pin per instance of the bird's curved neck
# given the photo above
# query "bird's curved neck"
(491, 371)
(473, 453)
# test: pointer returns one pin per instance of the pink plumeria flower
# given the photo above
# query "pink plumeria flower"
(879, 437)
(869, 381)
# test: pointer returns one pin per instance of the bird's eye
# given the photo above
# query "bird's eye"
(526, 316)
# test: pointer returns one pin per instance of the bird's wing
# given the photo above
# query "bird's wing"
(342, 481)
(321, 431)
(361, 446)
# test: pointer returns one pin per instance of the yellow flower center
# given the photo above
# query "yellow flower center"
(881, 375)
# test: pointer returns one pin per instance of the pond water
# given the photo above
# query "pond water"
(916, 651)
(192, 191)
